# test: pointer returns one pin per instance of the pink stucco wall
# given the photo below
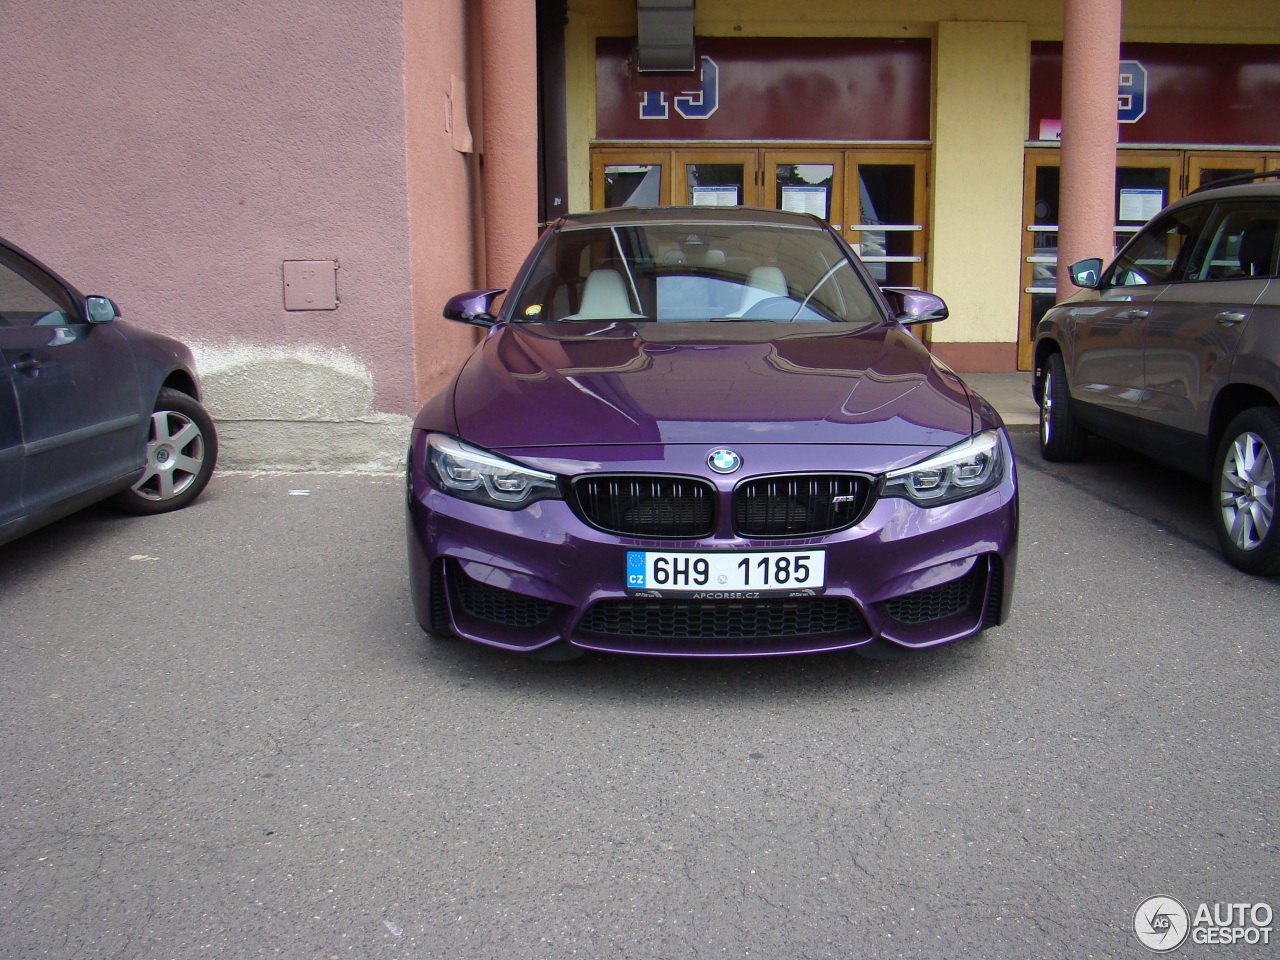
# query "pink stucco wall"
(172, 155)
(511, 136)
(443, 105)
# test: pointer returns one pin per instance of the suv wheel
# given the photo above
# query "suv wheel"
(1061, 438)
(1244, 491)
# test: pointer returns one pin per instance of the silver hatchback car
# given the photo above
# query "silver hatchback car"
(1174, 350)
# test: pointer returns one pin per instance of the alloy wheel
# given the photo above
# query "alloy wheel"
(1046, 409)
(1247, 487)
(175, 456)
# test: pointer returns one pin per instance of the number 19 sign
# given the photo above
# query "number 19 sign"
(1132, 103)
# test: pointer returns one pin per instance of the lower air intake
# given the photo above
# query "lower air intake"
(722, 619)
(935, 603)
(495, 605)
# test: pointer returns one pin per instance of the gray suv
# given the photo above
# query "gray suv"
(1174, 350)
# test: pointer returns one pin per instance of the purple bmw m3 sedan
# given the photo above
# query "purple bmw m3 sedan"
(706, 432)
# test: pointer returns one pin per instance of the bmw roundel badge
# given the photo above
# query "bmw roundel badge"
(724, 461)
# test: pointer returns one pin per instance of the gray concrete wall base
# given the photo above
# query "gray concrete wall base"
(363, 446)
(297, 409)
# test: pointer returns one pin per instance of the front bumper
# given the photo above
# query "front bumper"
(525, 580)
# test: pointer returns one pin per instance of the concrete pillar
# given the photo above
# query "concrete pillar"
(510, 136)
(1090, 75)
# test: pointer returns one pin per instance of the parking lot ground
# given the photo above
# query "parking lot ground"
(222, 735)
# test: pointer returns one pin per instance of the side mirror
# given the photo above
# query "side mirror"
(100, 310)
(474, 307)
(1086, 273)
(915, 306)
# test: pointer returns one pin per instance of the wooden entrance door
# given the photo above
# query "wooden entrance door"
(716, 177)
(877, 198)
(1204, 168)
(630, 178)
(1145, 182)
(886, 206)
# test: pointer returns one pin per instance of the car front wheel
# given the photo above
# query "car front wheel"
(1061, 438)
(1244, 491)
(182, 448)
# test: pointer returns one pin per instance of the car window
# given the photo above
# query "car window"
(30, 297)
(695, 271)
(1239, 240)
(1158, 253)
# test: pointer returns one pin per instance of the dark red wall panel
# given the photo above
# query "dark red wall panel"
(1212, 94)
(774, 89)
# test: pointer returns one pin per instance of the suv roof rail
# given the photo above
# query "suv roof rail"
(1232, 181)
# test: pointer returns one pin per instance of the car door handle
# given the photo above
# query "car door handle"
(27, 365)
(1229, 318)
(1137, 313)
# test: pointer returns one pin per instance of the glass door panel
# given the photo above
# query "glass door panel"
(886, 215)
(632, 185)
(717, 178)
(1040, 243)
(630, 179)
(807, 182)
(1204, 168)
(1145, 184)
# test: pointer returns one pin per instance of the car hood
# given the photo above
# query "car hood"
(551, 384)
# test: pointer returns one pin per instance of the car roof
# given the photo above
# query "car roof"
(634, 216)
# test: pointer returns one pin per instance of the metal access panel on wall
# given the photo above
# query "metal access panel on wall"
(311, 284)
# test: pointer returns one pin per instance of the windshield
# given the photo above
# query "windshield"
(695, 271)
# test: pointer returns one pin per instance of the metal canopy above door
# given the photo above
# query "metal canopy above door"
(665, 36)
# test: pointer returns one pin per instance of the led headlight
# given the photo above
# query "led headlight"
(964, 470)
(474, 474)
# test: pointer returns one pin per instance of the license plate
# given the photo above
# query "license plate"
(727, 575)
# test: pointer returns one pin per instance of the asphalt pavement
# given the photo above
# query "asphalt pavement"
(222, 735)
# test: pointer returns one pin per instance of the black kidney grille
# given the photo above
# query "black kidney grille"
(934, 603)
(496, 605)
(720, 619)
(642, 506)
(798, 505)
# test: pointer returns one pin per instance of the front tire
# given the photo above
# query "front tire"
(1061, 438)
(182, 449)
(1244, 491)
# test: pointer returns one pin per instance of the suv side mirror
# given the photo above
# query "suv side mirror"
(915, 306)
(1086, 273)
(100, 310)
(474, 307)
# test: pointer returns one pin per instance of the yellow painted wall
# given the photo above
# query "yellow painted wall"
(980, 126)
